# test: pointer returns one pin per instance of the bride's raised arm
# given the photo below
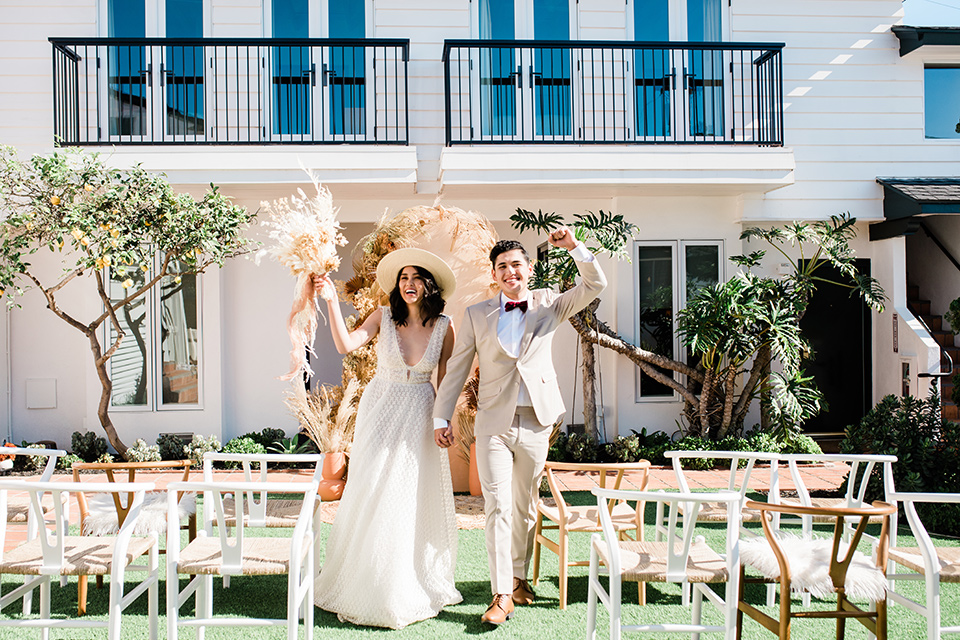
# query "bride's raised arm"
(345, 341)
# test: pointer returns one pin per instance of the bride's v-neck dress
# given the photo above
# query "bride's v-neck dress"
(393, 547)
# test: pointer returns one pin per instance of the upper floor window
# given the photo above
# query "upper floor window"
(158, 363)
(941, 102)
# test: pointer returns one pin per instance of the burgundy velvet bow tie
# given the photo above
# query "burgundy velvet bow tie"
(510, 306)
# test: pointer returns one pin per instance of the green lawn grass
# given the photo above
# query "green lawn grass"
(266, 597)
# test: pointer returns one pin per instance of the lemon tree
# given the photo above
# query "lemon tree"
(101, 224)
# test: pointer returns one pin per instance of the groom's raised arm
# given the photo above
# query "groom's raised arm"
(592, 282)
(458, 368)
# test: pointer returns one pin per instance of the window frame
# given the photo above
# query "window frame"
(937, 63)
(155, 361)
(679, 271)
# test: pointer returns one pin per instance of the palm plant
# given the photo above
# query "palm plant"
(734, 330)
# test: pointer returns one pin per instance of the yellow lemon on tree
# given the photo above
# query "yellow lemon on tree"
(145, 268)
(114, 232)
(54, 200)
(127, 283)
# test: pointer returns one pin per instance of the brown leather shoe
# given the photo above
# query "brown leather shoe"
(499, 611)
(522, 593)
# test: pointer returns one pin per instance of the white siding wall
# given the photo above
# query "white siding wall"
(853, 108)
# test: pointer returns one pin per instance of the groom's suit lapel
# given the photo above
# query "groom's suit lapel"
(493, 317)
(533, 313)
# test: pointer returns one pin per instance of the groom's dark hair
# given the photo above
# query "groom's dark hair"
(503, 246)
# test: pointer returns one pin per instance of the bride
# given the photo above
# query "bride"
(391, 553)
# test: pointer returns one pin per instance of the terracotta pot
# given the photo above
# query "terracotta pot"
(334, 466)
(333, 469)
(475, 489)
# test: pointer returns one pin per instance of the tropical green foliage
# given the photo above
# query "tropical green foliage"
(927, 449)
(953, 316)
(103, 224)
(638, 446)
(734, 330)
(241, 444)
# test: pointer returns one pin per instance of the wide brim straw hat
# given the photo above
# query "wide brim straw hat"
(392, 263)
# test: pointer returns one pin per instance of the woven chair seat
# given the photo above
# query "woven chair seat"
(82, 556)
(280, 513)
(828, 503)
(949, 559)
(261, 557)
(586, 517)
(19, 504)
(647, 562)
(717, 512)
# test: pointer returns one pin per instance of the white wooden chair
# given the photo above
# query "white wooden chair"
(927, 562)
(681, 558)
(855, 488)
(255, 467)
(52, 554)
(18, 504)
(232, 551)
(738, 480)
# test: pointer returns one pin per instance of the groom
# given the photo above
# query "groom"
(518, 402)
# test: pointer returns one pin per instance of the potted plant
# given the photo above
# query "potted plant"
(328, 416)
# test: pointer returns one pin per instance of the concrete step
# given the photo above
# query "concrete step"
(934, 322)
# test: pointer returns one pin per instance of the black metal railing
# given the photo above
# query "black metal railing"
(229, 91)
(598, 92)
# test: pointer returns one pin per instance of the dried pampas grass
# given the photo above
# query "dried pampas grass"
(306, 236)
(327, 415)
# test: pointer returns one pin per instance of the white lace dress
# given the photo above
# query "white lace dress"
(393, 547)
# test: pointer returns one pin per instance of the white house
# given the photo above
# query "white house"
(693, 118)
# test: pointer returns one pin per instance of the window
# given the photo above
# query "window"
(664, 284)
(157, 364)
(941, 102)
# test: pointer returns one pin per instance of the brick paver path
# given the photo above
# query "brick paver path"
(819, 476)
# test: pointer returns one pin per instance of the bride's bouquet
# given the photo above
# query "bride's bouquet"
(306, 236)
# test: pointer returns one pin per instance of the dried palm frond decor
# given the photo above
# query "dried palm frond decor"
(327, 414)
(465, 414)
(306, 236)
(462, 238)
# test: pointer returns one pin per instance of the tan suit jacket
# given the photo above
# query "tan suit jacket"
(501, 373)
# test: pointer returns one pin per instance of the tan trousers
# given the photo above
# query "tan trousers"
(509, 466)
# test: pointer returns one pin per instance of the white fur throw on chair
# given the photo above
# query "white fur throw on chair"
(102, 515)
(809, 561)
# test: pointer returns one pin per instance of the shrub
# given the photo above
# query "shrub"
(558, 448)
(171, 447)
(955, 394)
(582, 448)
(30, 463)
(199, 446)
(800, 443)
(105, 458)
(143, 452)
(622, 449)
(89, 446)
(953, 315)
(65, 463)
(267, 437)
(241, 444)
(927, 448)
(290, 446)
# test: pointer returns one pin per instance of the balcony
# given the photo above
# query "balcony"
(216, 91)
(613, 118)
(528, 92)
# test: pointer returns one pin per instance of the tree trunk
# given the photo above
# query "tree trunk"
(589, 389)
(106, 385)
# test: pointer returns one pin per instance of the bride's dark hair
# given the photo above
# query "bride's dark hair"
(430, 307)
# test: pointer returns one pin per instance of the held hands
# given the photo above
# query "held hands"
(562, 238)
(323, 287)
(443, 437)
